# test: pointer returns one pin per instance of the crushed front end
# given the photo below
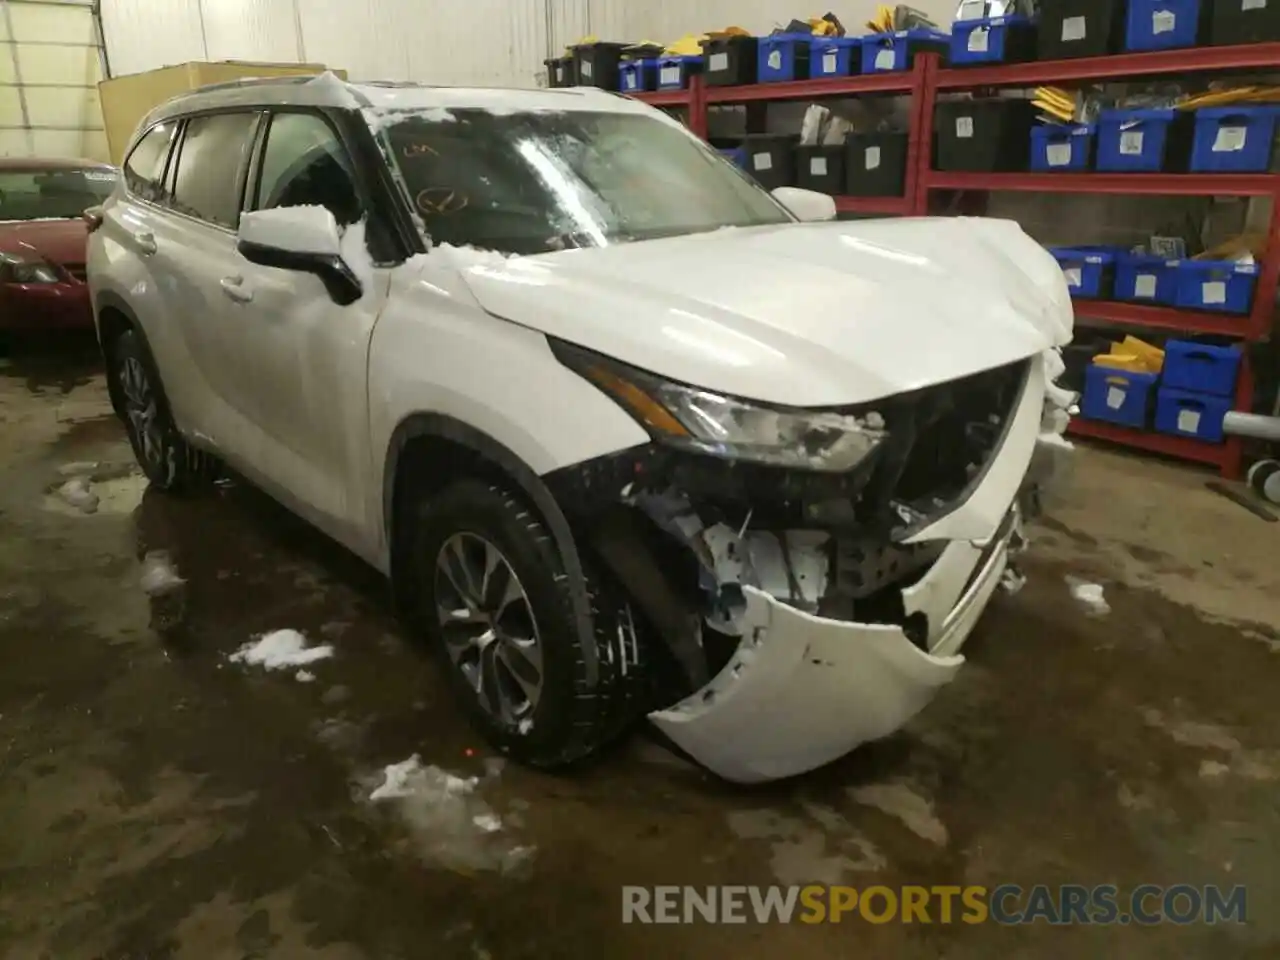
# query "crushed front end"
(797, 611)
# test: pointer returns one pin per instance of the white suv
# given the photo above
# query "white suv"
(626, 434)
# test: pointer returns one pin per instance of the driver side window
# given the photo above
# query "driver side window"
(304, 164)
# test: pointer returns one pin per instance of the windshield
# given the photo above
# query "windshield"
(53, 194)
(533, 182)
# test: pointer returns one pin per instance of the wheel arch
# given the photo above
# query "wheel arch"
(113, 317)
(421, 436)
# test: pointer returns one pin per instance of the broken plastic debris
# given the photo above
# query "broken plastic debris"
(159, 576)
(1090, 594)
(279, 649)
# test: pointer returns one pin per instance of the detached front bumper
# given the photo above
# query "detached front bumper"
(802, 690)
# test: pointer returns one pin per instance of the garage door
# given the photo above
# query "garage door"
(49, 70)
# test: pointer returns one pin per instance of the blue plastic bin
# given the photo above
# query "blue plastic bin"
(1117, 396)
(1087, 270)
(674, 72)
(1222, 286)
(783, 57)
(1143, 278)
(637, 76)
(991, 40)
(1187, 414)
(885, 52)
(1200, 367)
(1237, 139)
(735, 155)
(1060, 147)
(1133, 140)
(1161, 24)
(834, 56)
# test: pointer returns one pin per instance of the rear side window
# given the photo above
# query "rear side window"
(207, 183)
(144, 170)
(305, 164)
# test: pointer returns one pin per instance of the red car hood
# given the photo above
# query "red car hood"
(58, 241)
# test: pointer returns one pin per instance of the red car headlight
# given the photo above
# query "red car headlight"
(14, 269)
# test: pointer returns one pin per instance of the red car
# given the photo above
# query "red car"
(43, 236)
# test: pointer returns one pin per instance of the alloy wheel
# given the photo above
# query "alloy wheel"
(142, 411)
(488, 628)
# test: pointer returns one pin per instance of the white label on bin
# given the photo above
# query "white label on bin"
(762, 161)
(1213, 291)
(885, 59)
(775, 60)
(871, 159)
(1072, 275)
(1058, 154)
(972, 10)
(964, 127)
(669, 75)
(1229, 139)
(1115, 397)
(829, 64)
(1253, 4)
(1188, 421)
(818, 166)
(629, 81)
(1163, 21)
(978, 40)
(584, 68)
(1131, 142)
(719, 61)
(1144, 285)
(1073, 29)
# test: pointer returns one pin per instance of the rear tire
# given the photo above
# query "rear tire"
(170, 463)
(493, 598)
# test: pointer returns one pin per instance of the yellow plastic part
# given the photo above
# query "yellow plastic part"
(1122, 361)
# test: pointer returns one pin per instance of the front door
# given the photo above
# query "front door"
(306, 356)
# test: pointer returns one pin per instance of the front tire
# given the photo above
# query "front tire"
(494, 600)
(170, 463)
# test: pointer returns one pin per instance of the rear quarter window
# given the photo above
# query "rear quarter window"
(144, 169)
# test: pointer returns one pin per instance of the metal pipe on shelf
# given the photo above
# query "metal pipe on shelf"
(1237, 423)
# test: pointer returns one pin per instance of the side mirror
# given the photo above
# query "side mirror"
(300, 238)
(807, 205)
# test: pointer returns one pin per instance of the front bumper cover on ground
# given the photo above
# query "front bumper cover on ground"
(802, 690)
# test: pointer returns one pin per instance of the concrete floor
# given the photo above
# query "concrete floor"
(157, 801)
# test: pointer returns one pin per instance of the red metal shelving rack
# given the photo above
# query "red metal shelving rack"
(926, 79)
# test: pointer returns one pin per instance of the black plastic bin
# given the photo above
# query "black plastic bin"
(1080, 28)
(875, 164)
(983, 136)
(730, 61)
(1244, 21)
(596, 64)
(771, 159)
(820, 168)
(561, 72)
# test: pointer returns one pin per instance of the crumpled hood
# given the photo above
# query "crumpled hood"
(799, 314)
(57, 241)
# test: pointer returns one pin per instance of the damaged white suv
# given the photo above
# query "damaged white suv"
(626, 434)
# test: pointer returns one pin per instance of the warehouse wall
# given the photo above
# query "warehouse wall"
(49, 70)
(500, 42)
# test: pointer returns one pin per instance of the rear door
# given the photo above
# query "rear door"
(195, 252)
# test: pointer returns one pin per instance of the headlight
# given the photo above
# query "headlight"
(698, 419)
(18, 270)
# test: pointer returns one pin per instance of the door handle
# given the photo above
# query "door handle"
(233, 287)
(146, 242)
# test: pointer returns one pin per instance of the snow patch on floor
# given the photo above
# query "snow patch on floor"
(304, 676)
(1089, 594)
(903, 803)
(450, 824)
(280, 649)
(159, 575)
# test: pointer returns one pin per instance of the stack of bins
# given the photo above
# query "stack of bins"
(1196, 387)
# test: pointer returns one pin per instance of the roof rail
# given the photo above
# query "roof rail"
(256, 82)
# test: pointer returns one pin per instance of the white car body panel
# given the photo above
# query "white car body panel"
(801, 314)
(304, 396)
